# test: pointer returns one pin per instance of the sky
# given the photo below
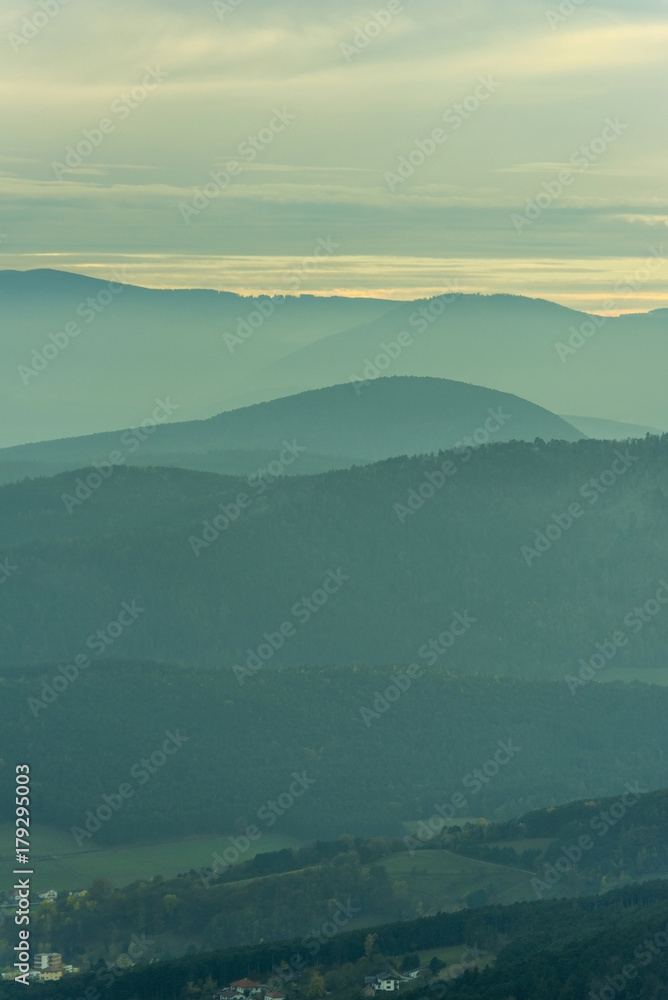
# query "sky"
(392, 149)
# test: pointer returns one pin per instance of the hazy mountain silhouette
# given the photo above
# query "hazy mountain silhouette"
(140, 345)
(333, 428)
(515, 344)
(609, 430)
(213, 351)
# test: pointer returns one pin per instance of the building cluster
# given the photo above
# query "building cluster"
(246, 989)
(48, 896)
(385, 982)
(48, 967)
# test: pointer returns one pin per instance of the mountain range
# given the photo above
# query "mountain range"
(85, 355)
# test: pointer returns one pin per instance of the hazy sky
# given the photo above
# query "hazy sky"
(315, 104)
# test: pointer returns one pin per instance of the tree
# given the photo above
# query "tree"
(316, 988)
(100, 889)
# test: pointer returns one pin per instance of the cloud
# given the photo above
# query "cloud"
(355, 119)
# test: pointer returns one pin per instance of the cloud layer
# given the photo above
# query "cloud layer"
(119, 115)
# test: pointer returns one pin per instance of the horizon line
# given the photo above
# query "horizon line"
(395, 294)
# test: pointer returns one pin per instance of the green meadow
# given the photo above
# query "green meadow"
(59, 863)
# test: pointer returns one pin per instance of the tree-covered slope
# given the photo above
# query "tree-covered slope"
(548, 547)
(363, 765)
(564, 950)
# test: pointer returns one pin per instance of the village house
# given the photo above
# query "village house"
(384, 983)
(248, 988)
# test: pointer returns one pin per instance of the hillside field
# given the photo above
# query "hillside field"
(60, 864)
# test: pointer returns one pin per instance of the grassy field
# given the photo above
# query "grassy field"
(59, 864)
(528, 844)
(441, 880)
(455, 956)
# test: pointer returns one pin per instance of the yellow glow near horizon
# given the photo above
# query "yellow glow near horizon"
(587, 285)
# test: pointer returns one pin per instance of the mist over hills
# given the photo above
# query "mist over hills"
(136, 344)
(513, 344)
(212, 351)
(332, 428)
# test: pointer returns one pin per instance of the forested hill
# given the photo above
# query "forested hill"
(335, 427)
(547, 548)
(594, 842)
(562, 950)
(369, 765)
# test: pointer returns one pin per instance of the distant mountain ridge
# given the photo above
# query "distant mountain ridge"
(609, 430)
(213, 351)
(568, 361)
(334, 427)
